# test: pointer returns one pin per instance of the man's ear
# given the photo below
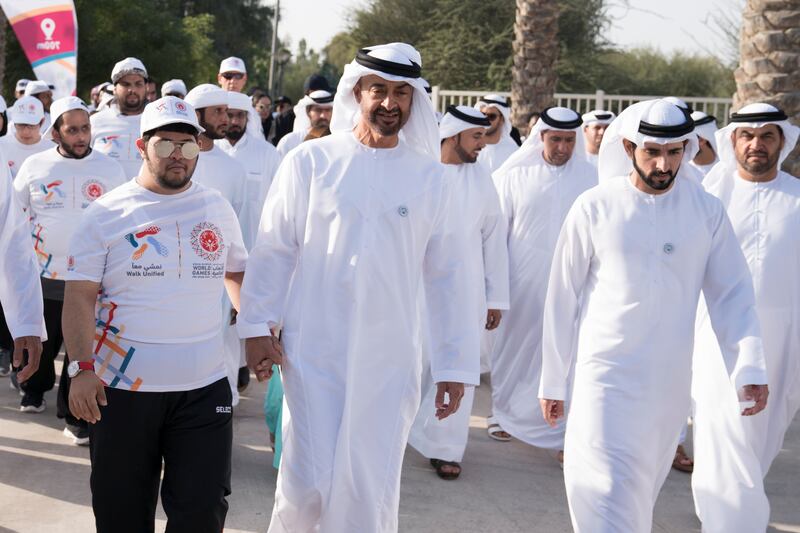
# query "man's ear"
(629, 147)
(142, 146)
(357, 92)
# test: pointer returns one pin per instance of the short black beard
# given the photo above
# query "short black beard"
(320, 124)
(234, 134)
(759, 169)
(131, 110)
(383, 130)
(68, 152)
(649, 179)
(463, 155)
(161, 179)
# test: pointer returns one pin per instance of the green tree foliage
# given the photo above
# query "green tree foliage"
(466, 44)
(174, 38)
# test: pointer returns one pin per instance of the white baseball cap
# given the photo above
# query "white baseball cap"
(173, 86)
(239, 101)
(21, 84)
(129, 65)
(37, 87)
(27, 110)
(207, 95)
(232, 64)
(61, 106)
(168, 110)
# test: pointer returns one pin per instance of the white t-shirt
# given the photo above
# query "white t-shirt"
(16, 153)
(55, 190)
(161, 260)
(115, 135)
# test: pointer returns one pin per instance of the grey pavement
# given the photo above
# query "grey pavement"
(508, 487)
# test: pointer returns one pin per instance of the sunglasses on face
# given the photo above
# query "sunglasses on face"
(187, 150)
(233, 75)
(492, 116)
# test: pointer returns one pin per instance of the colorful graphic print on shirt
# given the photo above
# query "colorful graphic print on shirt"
(109, 348)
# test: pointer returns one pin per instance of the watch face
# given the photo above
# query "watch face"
(73, 369)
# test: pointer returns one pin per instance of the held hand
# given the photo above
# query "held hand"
(262, 353)
(758, 394)
(493, 317)
(552, 410)
(86, 394)
(455, 391)
(33, 345)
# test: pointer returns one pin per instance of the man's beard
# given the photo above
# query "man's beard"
(71, 153)
(321, 123)
(132, 106)
(234, 133)
(758, 169)
(463, 155)
(649, 179)
(212, 132)
(387, 131)
(167, 183)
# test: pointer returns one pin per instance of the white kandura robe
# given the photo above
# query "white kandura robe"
(478, 215)
(494, 155)
(535, 199)
(260, 160)
(20, 287)
(734, 453)
(219, 171)
(357, 230)
(622, 297)
(291, 141)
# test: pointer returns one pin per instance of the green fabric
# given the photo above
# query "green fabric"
(273, 411)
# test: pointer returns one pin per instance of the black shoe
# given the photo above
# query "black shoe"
(78, 433)
(32, 403)
(244, 379)
(5, 362)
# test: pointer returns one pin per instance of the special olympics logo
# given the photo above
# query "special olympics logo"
(92, 190)
(180, 106)
(141, 247)
(206, 240)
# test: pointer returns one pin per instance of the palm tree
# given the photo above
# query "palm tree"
(770, 60)
(533, 76)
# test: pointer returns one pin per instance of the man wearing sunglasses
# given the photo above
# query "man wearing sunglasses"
(499, 143)
(149, 373)
(232, 74)
(55, 187)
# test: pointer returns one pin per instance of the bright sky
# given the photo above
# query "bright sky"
(668, 26)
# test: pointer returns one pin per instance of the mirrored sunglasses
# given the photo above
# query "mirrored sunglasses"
(233, 75)
(187, 150)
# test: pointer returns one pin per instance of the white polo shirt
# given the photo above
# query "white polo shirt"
(161, 260)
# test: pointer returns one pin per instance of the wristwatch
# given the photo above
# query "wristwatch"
(76, 367)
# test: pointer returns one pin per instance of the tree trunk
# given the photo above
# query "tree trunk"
(769, 68)
(3, 24)
(533, 76)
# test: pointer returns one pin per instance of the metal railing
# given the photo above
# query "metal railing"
(582, 103)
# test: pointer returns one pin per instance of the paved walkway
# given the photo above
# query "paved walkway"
(505, 487)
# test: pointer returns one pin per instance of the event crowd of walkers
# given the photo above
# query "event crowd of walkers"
(616, 276)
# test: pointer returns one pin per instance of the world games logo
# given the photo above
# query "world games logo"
(206, 240)
(92, 190)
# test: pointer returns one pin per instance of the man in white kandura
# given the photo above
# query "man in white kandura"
(632, 257)
(312, 119)
(499, 144)
(733, 454)
(479, 216)
(354, 225)
(537, 186)
(705, 126)
(115, 129)
(25, 137)
(595, 124)
(260, 160)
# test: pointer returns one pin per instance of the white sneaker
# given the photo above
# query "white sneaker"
(33, 408)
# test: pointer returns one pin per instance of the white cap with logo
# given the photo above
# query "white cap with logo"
(61, 106)
(174, 87)
(37, 87)
(232, 64)
(27, 110)
(129, 65)
(21, 84)
(168, 110)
